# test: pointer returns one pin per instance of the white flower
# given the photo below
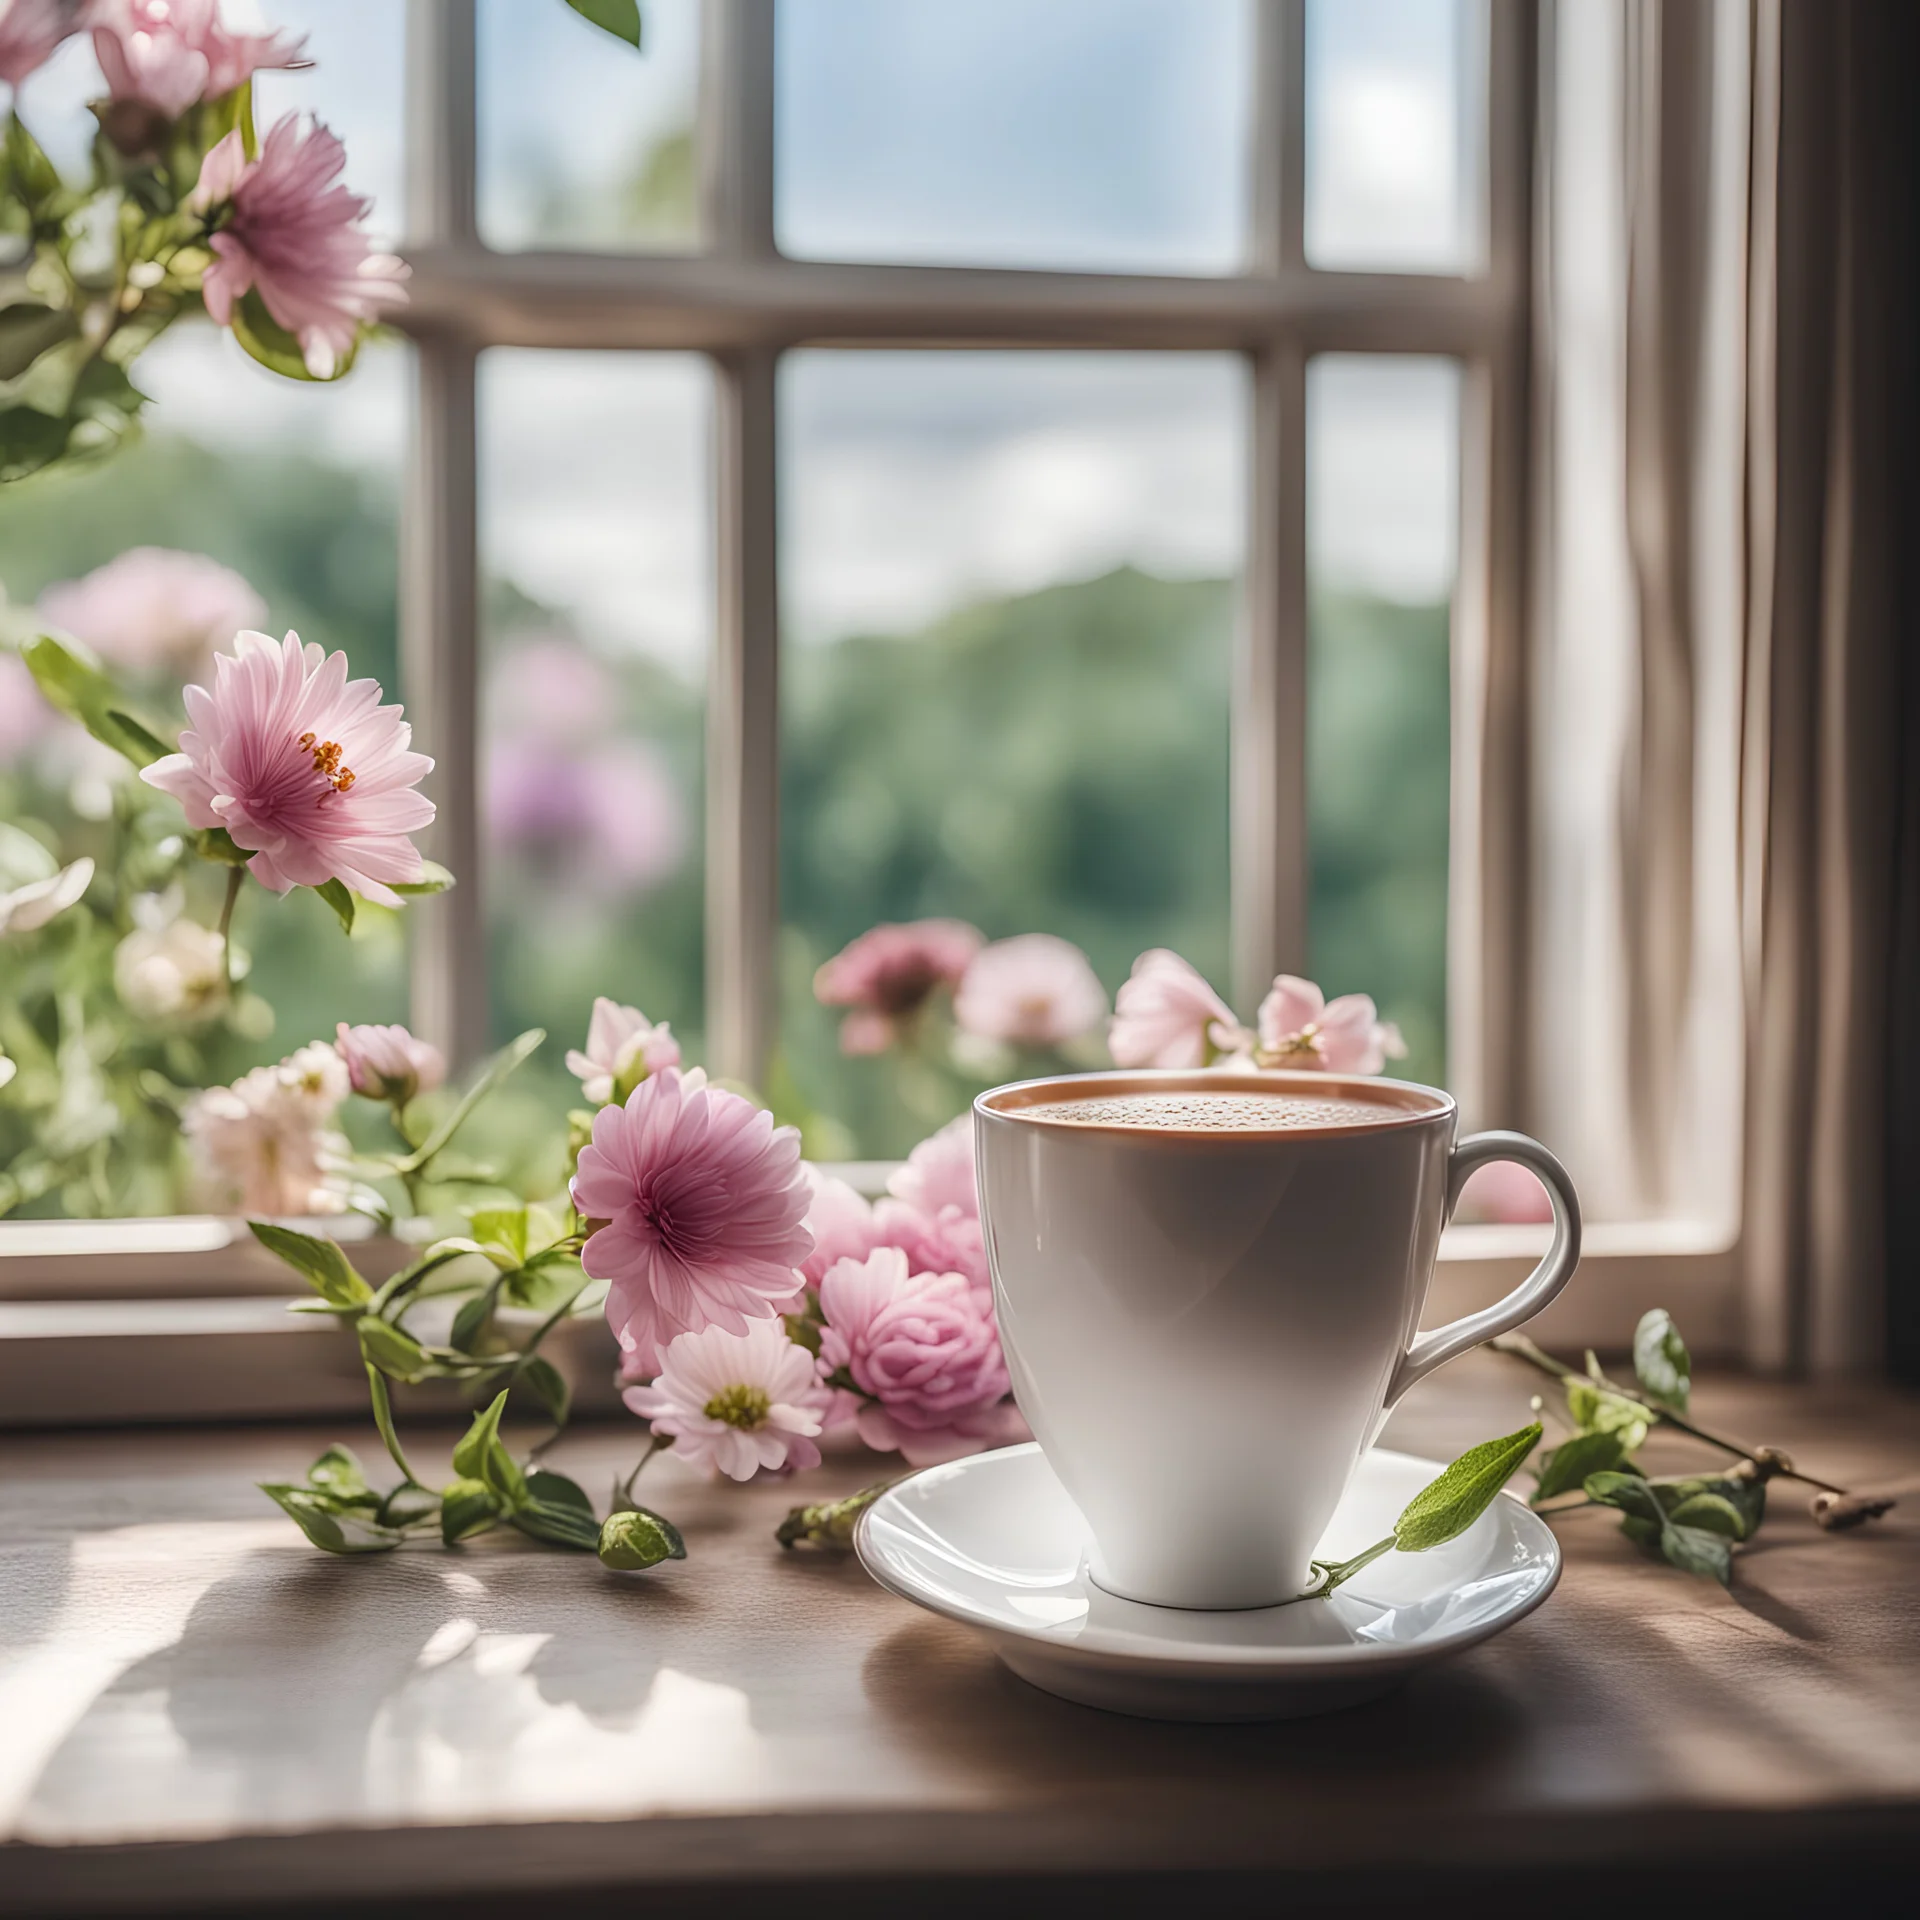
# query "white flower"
(33, 905)
(174, 970)
(736, 1402)
(623, 1047)
(7, 1068)
(265, 1145)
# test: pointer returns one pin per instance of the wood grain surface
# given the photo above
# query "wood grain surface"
(199, 1713)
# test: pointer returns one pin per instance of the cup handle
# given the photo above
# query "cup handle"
(1435, 1349)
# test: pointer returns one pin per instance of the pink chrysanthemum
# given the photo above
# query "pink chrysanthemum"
(1165, 1015)
(1036, 990)
(154, 608)
(924, 1349)
(30, 30)
(285, 226)
(703, 1199)
(736, 1402)
(303, 767)
(887, 975)
(1301, 1028)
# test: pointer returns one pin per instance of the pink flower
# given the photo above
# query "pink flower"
(703, 1199)
(841, 1223)
(153, 608)
(171, 54)
(24, 714)
(30, 30)
(924, 1348)
(889, 973)
(736, 1402)
(1165, 1015)
(1299, 1028)
(266, 1145)
(939, 1172)
(1036, 990)
(303, 767)
(388, 1063)
(586, 818)
(1506, 1192)
(623, 1048)
(285, 227)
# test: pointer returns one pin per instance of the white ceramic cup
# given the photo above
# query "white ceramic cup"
(1206, 1329)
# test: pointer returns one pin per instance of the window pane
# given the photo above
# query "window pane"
(294, 487)
(1382, 477)
(583, 141)
(1395, 118)
(1009, 602)
(1093, 134)
(596, 558)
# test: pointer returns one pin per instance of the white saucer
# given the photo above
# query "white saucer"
(994, 1541)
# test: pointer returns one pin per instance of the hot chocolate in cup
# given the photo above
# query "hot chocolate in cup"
(1209, 1287)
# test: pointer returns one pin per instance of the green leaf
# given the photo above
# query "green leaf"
(335, 894)
(621, 18)
(326, 1524)
(392, 1349)
(547, 1282)
(434, 878)
(1694, 1550)
(635, 1539)
(1567, 1465)
(804, 1331)
(1630, 1492)
(558, 1511)
(27, 329)
(1594, 1410)
(218, 845)
(549, 1386)
(83, 693)
(489, 1077)
(472, 1319)
(502, 1227)
(408, 1505)
(274, 347)
(1661, 1360)
(1449, 1505)
(1711, 1513)
(338, 1472)
(467, 1507)
(481, 1454)
(31, 440)
(326, 1269)
(1746, 1496)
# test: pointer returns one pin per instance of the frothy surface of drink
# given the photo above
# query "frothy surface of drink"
(1223, 1112)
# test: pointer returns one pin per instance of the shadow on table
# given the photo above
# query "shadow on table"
(940, 1687)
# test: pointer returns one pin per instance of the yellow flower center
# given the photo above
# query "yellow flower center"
(326, 761)
(742, 1406)
(1305, 1045)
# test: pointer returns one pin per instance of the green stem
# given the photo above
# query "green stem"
(235, 875)
(1334, 1573)
(624, 1489)
(1519, 1347)
(383, 1419)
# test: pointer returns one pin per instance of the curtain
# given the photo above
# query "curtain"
(1718, 609)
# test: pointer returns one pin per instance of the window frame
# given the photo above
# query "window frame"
(68, 1348)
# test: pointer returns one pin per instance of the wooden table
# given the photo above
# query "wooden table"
(198, 1712)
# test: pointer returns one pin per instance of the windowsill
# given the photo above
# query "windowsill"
(169, 1320)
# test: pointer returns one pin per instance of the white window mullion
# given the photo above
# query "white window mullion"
(439, 557)
(1269, 807)
(743, 705)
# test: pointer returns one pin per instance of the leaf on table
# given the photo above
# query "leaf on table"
(1565, 1468)
(1694, 1550)
(408, 1505)
(332, 1525)
(338, 1472)
(1448, 1505)
(1593, 1409)
(1747, 1495)
(467, 1507)
(557, 1511)
(1710, 1513)
(1661, 1361)
(482, 1455)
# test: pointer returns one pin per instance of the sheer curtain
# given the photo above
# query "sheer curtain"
(1714, 637)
